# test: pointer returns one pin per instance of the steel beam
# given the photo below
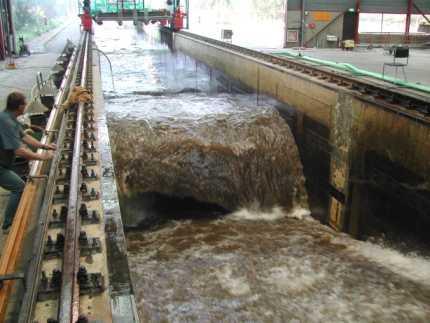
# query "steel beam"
(69, 301)
(2, 39)
(285, 23)
(357, 21)
(302, 23)
(11, 28)
(408, 21)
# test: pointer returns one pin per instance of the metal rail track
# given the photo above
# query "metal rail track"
(63, 211)
(410, 103)
(34, 270)
(69, 301)
(73, 280)
(14, 243)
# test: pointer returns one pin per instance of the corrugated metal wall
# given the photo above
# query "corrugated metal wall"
(367, 6)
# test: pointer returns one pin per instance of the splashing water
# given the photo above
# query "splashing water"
(272, 266)
(250, 265)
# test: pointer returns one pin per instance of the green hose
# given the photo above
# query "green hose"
(355, 71)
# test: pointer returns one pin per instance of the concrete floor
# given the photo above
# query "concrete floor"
(45, 49)
(417, 71)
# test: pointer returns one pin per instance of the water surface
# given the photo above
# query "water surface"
(249, 265)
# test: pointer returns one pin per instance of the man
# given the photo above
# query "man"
(86, 20)
(11, 145)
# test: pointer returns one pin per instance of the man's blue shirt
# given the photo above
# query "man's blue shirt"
(11, 134)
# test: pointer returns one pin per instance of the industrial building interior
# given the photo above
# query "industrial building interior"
(214, 161)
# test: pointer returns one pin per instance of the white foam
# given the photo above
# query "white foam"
(236, 286)
(413, 267)
(274, 214)
(293, 278)
(299, 213)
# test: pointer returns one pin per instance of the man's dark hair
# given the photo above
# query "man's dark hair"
(14, 101)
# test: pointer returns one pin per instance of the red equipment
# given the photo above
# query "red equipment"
(178, 19)
(87, 21)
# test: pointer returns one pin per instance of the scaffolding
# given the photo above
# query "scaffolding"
(130, 10)
(110, 6)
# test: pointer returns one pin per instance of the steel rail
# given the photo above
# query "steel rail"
(412, 104)
(34, 271)
(56, 109)
(13, 245)
(69, 299)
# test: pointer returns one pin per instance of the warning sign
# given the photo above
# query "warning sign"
(321, 15)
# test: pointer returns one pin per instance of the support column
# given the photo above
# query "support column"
(285, 23)
(187, 11)
(342, 140)
(302, 23)
(357, 21)
(10, 35)
(408, 21)
(2, 38)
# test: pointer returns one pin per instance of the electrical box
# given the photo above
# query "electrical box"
(331, 38)
(227, 34)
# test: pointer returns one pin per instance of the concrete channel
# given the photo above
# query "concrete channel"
(357, 149)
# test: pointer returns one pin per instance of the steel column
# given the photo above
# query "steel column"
(286, 23)
(302, 23)
(187, 4)
(11, 28)
(69, 302)
(408, 21)
(357, 21)
(2, 39)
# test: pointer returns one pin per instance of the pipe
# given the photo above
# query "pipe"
(110, 66)
(356, 71)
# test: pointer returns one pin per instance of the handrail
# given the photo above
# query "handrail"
(61, 96)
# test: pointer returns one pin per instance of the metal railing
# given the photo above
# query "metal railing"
(30, 199)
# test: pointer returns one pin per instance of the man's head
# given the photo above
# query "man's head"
(16, 103)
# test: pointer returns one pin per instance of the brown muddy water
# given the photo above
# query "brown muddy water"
(198, 263)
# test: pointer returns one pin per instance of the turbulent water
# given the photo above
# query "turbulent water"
(252, 266)
(227, 154)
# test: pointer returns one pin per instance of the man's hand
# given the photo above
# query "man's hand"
(30, 155)
(29, 140)
(46, 155)
(49, 147)
(28, 131)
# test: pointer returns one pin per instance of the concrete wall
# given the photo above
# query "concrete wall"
(391, 38)
(355, 128)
